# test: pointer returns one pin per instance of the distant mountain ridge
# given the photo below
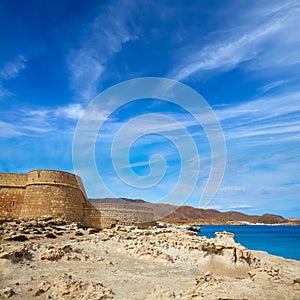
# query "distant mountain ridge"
(189, 214)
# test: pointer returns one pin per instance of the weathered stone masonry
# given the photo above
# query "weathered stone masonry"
(58, 194)
(127, 214)
(46, 193)
(12, 193)
(53, 193)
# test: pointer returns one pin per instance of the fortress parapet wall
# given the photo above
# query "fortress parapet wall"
(92, 217)
(58, 194)
(53, 194)
(42, 193)
(127, 214)
(12, 193)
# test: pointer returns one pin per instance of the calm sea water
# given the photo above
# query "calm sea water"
(278, 240)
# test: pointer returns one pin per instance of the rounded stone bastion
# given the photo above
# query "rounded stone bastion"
(127, 214)
(51, 193)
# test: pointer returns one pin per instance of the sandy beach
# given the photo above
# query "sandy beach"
(47, 259)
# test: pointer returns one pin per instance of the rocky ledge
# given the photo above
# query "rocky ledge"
(51, 259)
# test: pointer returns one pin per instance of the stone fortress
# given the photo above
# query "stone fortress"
(58, 194)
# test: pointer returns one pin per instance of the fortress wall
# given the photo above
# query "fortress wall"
(52, 176)
(13, 180)
(12, 191)
(57, 194)
(127, 214)
(92, 217)
(81, 186)
(52, 194)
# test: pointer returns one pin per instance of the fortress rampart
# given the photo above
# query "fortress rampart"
(42, 193)
(58, 194)
(12, 193)
(127, 214)
(53, 193)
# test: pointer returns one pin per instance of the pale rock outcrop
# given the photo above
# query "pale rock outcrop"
(126, 262)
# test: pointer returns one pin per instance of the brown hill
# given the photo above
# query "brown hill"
(189, 214)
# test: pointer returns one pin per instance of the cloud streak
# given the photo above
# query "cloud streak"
(268, 116)
(247, 45)
(12, 69)
(33, 122)
(227, 55)
(107, 34)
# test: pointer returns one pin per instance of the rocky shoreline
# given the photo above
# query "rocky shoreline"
(51, 259)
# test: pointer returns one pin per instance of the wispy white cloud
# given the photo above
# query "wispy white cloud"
(248, 43)
(271, 191)
(106, 36)
(268, 131)
(34, 122)
(72, 111)
(147, 130)
(85, 72)
(240, 206)
(227, 55)
(269, 86)
(4, 92)
(38, 122)
(8, 130)
(27, 124)
(12, 69)
(262, 108)
(267, 116)
(271, 117)
(232, 190)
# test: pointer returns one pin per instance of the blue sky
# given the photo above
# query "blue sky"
(242, 56)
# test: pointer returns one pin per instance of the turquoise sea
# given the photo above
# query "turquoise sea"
(278, 240)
